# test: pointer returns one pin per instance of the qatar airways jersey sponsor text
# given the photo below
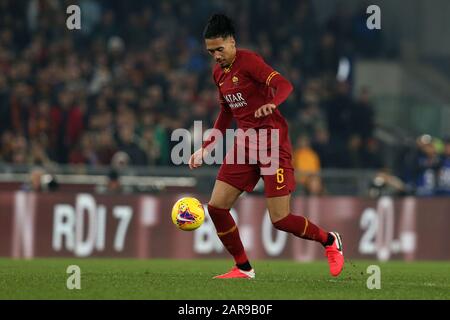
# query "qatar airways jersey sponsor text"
(235, 100)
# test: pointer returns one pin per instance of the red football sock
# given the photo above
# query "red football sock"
(302, 228)
(228, 233)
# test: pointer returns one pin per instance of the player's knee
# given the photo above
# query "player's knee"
(276, 217)
(219, 204)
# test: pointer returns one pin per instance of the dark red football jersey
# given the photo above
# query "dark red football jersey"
(244, 87)
(247, 84)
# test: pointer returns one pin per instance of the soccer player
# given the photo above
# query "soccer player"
(251, 92)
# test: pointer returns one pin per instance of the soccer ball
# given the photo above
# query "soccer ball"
(188, 214)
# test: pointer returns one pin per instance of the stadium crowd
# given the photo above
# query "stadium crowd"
(116, 89)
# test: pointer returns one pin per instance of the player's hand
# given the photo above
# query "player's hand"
(196, 159)
(265, 110)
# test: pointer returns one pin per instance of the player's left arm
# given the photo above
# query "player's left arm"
(263, 73)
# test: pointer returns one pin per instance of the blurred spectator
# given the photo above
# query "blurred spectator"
(120, 161)
(353, 158)
(328, 55)
(321, 145)
(311, 119)
(113, 185)
(128, 145)
(5, 112)
(444, 170)
(426, 167)
(338, 110)
(6, 148)
(38, 124)
(151, 146)
(106, 147)
(307, 163)
(362, 116)
(39, 156)
(19, 148)
(40, 181)
(35, 180)
(385, 183)
(67, 122)
(371, 156)
(49, 183)
(84, 152)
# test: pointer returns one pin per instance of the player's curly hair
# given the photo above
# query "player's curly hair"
(219, 25)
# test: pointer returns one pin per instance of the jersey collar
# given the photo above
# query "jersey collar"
(228, 69)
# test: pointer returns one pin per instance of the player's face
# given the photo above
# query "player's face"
(223, 50)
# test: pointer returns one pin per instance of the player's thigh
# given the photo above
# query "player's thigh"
(279, 207)
(224, 195)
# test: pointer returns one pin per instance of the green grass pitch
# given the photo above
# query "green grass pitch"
(192, 279)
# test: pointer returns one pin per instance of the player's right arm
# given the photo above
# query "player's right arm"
(223, 121)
